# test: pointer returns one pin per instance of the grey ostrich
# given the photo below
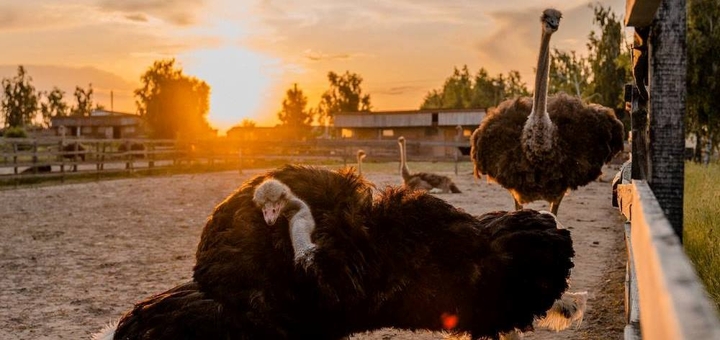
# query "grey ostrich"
(422, 180)
(537, 148)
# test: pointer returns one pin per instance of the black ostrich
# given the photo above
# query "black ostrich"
(406, 260)
(538, 148)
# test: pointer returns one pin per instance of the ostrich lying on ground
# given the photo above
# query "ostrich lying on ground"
(423, 180)
(407, 260)
(360, 156)
(540, 147)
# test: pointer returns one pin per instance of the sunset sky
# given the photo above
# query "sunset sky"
(251, 51)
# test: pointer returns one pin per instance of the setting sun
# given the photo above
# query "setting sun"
(238, 78)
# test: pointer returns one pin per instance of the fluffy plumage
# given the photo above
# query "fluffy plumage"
(186, 313)
(402, 261)
(588, 137)
(540, 147)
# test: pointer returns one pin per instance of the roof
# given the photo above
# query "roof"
(415, 118)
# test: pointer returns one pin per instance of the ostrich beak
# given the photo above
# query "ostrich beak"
(271, 212)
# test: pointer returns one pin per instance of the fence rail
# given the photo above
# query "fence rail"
(664, 296)
(28, 158)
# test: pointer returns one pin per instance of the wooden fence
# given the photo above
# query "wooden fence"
(664, 297)
(28, 158)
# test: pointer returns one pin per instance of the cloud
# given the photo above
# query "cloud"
(176, 12)
(139, 17)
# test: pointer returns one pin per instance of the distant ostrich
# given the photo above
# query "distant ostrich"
(360, 156)
(407, 260)
(423, 180)
(538, 148)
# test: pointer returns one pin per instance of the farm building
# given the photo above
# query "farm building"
(267, 133)
(101, 124)
(422, 125)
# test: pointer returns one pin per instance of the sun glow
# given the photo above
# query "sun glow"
(240, 80)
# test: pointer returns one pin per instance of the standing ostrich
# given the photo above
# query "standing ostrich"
(360, 156)
(538, 148)
(423, 180)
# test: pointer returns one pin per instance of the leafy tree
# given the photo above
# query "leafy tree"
(83, 100)
(703, 76)
(247, 123)
(173, 104)
(344, 95)
(19, 101)
(610, 65)
(460, 91)
(294, 112)
(569, 73)
(53, 106)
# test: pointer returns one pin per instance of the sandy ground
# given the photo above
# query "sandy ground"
(76, 256)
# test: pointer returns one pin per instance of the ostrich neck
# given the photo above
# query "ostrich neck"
(403, 160)
(541, 79)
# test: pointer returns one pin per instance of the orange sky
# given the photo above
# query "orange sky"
(252, 51)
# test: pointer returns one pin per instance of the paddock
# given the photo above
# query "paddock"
(76, 256)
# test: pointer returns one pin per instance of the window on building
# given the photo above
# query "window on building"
(434, 119)
(346, 133)
(388, 133)
(467, 132)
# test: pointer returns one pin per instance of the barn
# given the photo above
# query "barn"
(418, 125)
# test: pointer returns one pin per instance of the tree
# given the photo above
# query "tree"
(569, 73)
(83, 100)
(294, 113)
(173, 104)
(703, 77)
(460, 91)
(53, 106)
(247, 123)
(610, 65)
(344, 95)
(19, 101)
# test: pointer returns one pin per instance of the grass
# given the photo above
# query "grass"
(702, 224)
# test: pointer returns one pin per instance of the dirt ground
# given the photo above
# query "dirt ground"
(74, 257)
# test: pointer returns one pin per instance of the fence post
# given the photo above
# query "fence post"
(668, 69)
(35, 156)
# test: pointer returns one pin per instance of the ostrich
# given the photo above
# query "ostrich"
(538, 148)
(360, 156)
(406, 260)
(423, 180)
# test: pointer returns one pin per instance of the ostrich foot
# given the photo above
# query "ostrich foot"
(435, 191)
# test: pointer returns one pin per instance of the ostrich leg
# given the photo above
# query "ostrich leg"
(555, 204)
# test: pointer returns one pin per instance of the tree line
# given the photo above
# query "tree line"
(172, 104)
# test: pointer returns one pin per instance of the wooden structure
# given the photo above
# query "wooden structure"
(664, 298)
(101, 124)
(29, 159)
(422, 125)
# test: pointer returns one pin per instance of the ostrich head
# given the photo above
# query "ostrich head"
(401, 140)
(361, 154)
(550, 20)
(271, 196)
